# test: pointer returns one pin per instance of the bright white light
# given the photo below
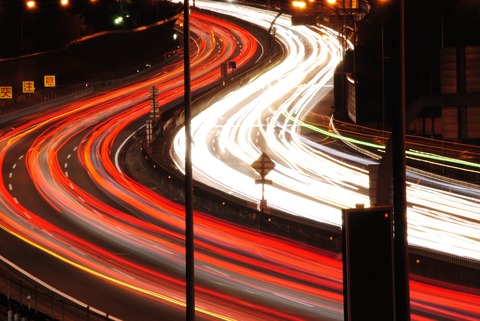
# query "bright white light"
(309, 179)
(118, 20)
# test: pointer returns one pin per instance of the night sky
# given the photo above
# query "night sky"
(423, 39)
(461, 19)
(50, 26)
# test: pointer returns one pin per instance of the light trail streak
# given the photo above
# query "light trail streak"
(246, 265)
(242, 275)
(75, 204)
(247, 121)
(268, 114)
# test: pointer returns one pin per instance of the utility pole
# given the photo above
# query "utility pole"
(189, 219)
(402, 288)
(393, 164)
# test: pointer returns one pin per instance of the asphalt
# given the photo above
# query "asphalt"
(145, 170)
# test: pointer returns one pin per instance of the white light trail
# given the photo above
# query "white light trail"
(264, 115)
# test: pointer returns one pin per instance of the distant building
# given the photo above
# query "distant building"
(455, 115)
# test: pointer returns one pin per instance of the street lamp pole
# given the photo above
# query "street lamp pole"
(29, 5)
(189, 219)
(383, 3)
(393, 163)
(402, 288)
(339, 8)
(442, 21)
(396, 151)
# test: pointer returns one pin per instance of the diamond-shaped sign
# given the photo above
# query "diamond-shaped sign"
(263, 165)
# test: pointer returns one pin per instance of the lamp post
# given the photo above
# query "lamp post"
(340, 10)
(396, 170)
(383, 3)
(442, 21)
(29, 5)
(340, 6)
(189, 214)
(402, 289)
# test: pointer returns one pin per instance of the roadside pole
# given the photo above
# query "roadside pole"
(189, 221)
(402, 288)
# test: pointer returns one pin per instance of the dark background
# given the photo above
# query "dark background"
(51, 26)
(423, 42)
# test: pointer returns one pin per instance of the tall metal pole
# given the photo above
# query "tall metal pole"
(383, 68)
(189, 221)
(402, 288)
(442, 22)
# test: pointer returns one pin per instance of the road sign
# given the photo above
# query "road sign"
(28, 87)
(6, 92)
(49, 81)
(368, 264)
(263, 165)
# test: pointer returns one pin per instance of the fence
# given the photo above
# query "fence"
(23, 298)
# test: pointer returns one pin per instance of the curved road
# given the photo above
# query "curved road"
(315, 180)
(122, 245)
(312, 179)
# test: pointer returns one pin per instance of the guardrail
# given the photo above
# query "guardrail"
(424, 263)
(94, 62)
(26, 298)
(22, 297)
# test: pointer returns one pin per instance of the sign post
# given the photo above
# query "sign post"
(263, 165)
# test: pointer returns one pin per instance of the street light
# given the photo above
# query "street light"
(340, 9)
(393, 163)
(383, 3)
(303, 12)
(342, 14)
(29, 5)
(300, 5)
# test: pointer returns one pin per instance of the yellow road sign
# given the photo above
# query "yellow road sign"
(263, 165)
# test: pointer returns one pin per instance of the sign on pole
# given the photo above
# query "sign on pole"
(6, 92)
(49, 81)
(263, 165)
(28, 87)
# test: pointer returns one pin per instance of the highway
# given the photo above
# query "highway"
(119, 246)
(313, 179)
(52, 195)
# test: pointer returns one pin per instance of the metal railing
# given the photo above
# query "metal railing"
(25, 299)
